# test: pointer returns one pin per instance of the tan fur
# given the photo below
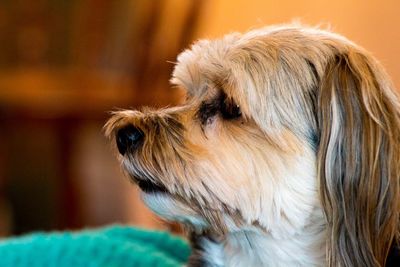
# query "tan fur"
(360, 185)
(318, 134)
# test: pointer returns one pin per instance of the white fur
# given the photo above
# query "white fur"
(170, 209)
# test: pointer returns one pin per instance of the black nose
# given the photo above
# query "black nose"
(128, 138)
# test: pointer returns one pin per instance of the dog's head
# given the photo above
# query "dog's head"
(278, 123)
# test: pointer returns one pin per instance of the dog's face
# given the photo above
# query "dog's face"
(275, 127)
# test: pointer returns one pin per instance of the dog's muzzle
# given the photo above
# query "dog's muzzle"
(129, 138)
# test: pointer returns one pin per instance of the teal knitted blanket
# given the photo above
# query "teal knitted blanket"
(115, 246)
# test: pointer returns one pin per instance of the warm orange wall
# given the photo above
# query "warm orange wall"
(373, 24)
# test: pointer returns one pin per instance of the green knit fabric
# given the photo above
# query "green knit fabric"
(115, 246)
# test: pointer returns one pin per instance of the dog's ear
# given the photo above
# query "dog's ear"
(358, 159)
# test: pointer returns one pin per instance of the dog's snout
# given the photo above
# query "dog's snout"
(128, 138)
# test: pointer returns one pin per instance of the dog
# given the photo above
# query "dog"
(284, 153)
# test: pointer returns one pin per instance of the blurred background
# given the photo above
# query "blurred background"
(65, 64)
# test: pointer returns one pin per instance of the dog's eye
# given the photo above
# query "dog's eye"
(207, 111)
(223, 105)
(229, 109)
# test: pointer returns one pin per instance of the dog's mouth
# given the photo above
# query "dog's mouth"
(148, 186)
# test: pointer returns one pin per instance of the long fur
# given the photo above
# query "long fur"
(285, 153)
(358, 159)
